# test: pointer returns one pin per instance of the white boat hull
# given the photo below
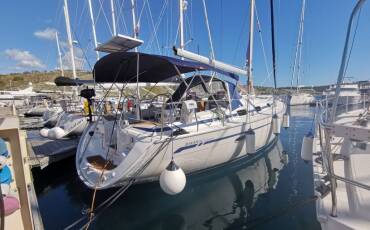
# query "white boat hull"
(301, 99)
(212, 145)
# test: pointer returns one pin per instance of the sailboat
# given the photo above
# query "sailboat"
(204, 124)
(298, 97)
(66, 122)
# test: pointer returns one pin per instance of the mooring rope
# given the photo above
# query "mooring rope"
(109, 201)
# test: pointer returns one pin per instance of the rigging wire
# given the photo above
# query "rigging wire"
(121, 18)
(81, 16)
(151, 22)
(141, 13)
(259, 27)
(240, 37)
(156, 26)
(188, 20)
(108, 160)
(83, 51)
(110, 200)
(106, 18)
(91, 216)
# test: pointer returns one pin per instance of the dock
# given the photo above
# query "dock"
(28, 216)
(43, 151)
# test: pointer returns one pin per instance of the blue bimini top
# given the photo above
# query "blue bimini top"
(5, 175)
(3, 148)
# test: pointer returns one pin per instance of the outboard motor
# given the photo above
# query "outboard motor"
(88, 94)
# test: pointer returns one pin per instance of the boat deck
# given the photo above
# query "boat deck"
(21, 186)
(353, 203)
(43, 151)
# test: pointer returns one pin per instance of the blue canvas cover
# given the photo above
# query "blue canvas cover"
(122, 67)
(234, 96)
(5, 175)
(3, 148)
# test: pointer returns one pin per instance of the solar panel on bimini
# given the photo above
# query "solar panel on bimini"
(119, 43)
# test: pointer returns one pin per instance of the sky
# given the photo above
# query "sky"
(27, 41)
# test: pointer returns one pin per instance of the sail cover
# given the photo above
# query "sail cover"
(121, 67)
(66, 81)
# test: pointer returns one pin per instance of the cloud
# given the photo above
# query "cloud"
(63, 44)
(79, 60)
(48, 33)
(24, 58)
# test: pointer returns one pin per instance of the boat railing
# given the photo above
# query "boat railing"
(165, 112)
(324, 129)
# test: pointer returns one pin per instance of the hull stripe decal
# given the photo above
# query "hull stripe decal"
(211, 141)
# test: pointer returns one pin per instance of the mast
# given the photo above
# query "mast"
(113, 17)
(59, 54)
(301, 41)
(93, 28)
(181, 23)
(250, 48)
(70, 42)
(134, 25)
(136, 32)
(298, 51)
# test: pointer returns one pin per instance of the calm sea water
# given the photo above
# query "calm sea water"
(272, 192)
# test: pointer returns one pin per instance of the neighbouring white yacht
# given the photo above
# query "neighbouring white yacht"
(349, 94)
(340, 153)
(205, 123)
(18, 98)
(297, 97)
(300, 98)
(66, 120)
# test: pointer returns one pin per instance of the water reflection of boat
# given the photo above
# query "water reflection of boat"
(224, 199)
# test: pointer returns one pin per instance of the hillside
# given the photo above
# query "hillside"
(45, 81)
(39, 80)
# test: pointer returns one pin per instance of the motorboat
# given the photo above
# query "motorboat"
(204, 124)
(349, 94)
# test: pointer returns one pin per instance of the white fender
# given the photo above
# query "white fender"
(44, 132)
(286, 121)
(56, 133)
(250, 141)
(275, 124)
(172, 179)
(307, 147)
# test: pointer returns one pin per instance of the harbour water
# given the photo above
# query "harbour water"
(272, 191)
